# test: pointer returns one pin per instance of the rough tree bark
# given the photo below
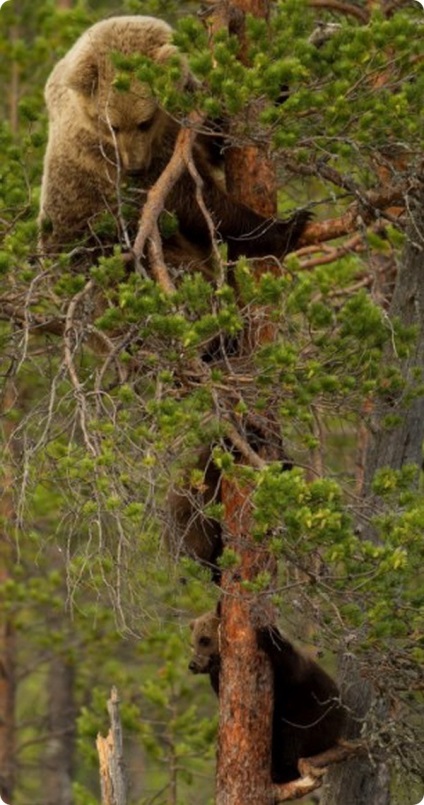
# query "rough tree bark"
(246, 682)
(111, 757)
(246, 693)
(403, 444)
(361, 780)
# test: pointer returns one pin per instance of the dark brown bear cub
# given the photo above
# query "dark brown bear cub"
(189, 530)
(308, 715)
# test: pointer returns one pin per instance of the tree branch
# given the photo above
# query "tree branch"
(243, 446)
(156, 197)
(345, 8)
(313, 769)
(157, 261)
(359, 213)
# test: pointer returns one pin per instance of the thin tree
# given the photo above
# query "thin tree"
(7, 628)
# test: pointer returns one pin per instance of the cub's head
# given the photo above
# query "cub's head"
(205, 642)
(128, 123)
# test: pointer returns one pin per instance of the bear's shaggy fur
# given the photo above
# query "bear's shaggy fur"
(107, 147)
(188, 529)
(97, 134)
(308, 714)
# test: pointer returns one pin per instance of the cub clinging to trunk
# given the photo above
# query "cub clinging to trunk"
(308, 715)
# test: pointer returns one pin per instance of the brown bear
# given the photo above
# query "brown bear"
(308, 715)
(189, 530)
(107, 147)
(189, 527)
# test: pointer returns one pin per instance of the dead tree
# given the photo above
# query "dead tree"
(111, 757)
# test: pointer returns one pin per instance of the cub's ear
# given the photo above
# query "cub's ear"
(192, 624)
(166, 52)
(85, 79)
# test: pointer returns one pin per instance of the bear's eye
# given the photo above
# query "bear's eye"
(204, 641)
(145, 125)
(115, 129)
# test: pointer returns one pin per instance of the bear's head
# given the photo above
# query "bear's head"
(205, 642)
(128, 123)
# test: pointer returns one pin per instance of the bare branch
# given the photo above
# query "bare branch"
(157, 261)
(244, 448)
(345, 8)
(69, 349)
(359, 214)
(313, 769)
(157, 194)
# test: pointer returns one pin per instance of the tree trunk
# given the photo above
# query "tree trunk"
(7, 631)
(246, 678)
(7, 705)
(14, 86)
(111, 757)
(359, 780)
(403, 444)
(61, 743)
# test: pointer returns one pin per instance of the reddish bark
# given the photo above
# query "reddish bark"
(259, 8)
(250, 178)
(246, 680)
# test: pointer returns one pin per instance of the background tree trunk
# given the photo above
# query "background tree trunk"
(359, 780)
(7, 630)
(404, 443)
(59, 759)
(7, 704)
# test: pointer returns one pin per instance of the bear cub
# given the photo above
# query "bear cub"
(189, 530)
(308, 715)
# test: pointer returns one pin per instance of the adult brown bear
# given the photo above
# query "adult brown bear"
(107, 147)
(308, 715)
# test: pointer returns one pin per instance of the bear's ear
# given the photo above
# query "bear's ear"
(192, 625)
(162, 54)
(85, 79)
(166, 52)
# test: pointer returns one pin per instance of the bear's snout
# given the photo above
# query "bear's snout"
(193, 667)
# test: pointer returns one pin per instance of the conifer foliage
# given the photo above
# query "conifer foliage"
(302, 377)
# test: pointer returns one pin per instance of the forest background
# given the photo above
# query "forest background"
(92, 440)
